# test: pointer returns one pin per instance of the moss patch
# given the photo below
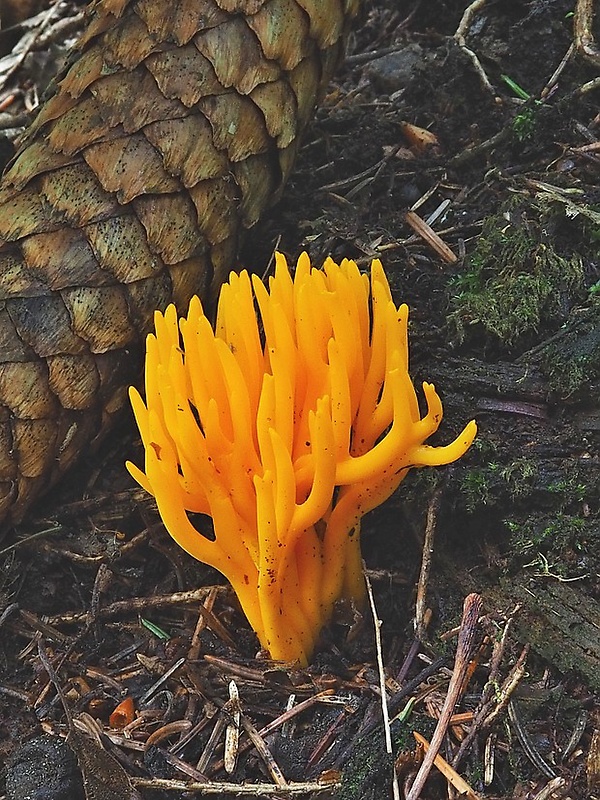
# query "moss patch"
(517, 281)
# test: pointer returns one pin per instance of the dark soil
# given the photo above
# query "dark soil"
(510, 333)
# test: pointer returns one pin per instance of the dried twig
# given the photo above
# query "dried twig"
(575, 738)
(427, 553)
(201, 624)
(460, 39)
(589, 86)
(30, 42)
(211, 744)
(156, 686)
(583, 35)
(464, 648)
(240, 789)
(137, 604)
(492, 703)
(264, 752)
(508, 687)
(183, 766)
(381, 670)
(414, 648)
(553, 79)
(327, 739)
(356, 183)
(288, 714)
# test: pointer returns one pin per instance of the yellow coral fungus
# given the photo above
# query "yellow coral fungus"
(287, 439)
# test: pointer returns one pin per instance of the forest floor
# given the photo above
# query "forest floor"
(465, 153)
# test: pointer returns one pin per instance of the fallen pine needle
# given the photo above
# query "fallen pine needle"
(430, 237)
(459, 783)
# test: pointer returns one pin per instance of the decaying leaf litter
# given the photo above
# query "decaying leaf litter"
(521, 512)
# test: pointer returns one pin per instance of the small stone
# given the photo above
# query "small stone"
(393, 72)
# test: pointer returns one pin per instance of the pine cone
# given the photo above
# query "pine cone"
(175, 126)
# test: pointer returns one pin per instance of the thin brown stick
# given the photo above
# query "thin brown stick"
(136, 604)
(381, 670)
(287, 715)
(461, 41)
(467, 19)
(466, 637)
(264, 752)
(553, 79)
(28, 45)
(583, 35)
(194, 650)
(241, 789)
(491, 703)
(508, 687)
(211, 744)
(426, 556)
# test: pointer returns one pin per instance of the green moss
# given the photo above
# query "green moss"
(493, 483)
(485, 447)
(519, 476)
(516, 281)
(475, 487)
(572, 489)
(524, 125)
(561, 545)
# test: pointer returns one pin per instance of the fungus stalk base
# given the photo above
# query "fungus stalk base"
(289, 610)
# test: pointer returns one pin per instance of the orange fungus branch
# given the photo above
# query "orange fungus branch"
(286, 440)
